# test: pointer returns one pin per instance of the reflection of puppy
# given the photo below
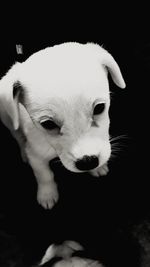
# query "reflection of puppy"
(58, 99)
(62, 256)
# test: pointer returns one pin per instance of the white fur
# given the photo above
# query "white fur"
(63, 82)
(65, 252)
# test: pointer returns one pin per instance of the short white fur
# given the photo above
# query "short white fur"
(62, 83)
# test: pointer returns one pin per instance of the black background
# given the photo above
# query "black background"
(109, 216)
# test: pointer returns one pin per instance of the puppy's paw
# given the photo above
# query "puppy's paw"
(101, 171)
(47, 195)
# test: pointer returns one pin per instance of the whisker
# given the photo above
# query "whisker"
(122, 137)
(119, 146)
(116, 151)
(112, 157)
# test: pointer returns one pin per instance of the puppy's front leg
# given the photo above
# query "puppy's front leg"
(47, 194)
(39, 153)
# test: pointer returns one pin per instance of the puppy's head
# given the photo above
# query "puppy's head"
(65, 90)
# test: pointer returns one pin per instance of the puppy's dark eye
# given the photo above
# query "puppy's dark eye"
(49, 125)
(99, 108)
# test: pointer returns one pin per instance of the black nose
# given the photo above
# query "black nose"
(87, 163)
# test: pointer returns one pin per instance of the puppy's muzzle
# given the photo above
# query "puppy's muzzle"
(87, 163)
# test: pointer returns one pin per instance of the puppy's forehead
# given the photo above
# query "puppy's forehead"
(60, 108)
(64, 71)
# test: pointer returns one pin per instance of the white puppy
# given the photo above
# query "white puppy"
(56, 104)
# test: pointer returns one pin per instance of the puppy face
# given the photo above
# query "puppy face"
(66, 93)
(77, 128)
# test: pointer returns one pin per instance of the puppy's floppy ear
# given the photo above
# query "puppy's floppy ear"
(9, 94)
(113, 68)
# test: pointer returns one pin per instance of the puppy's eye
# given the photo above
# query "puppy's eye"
(99, 108)
(49, 125)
